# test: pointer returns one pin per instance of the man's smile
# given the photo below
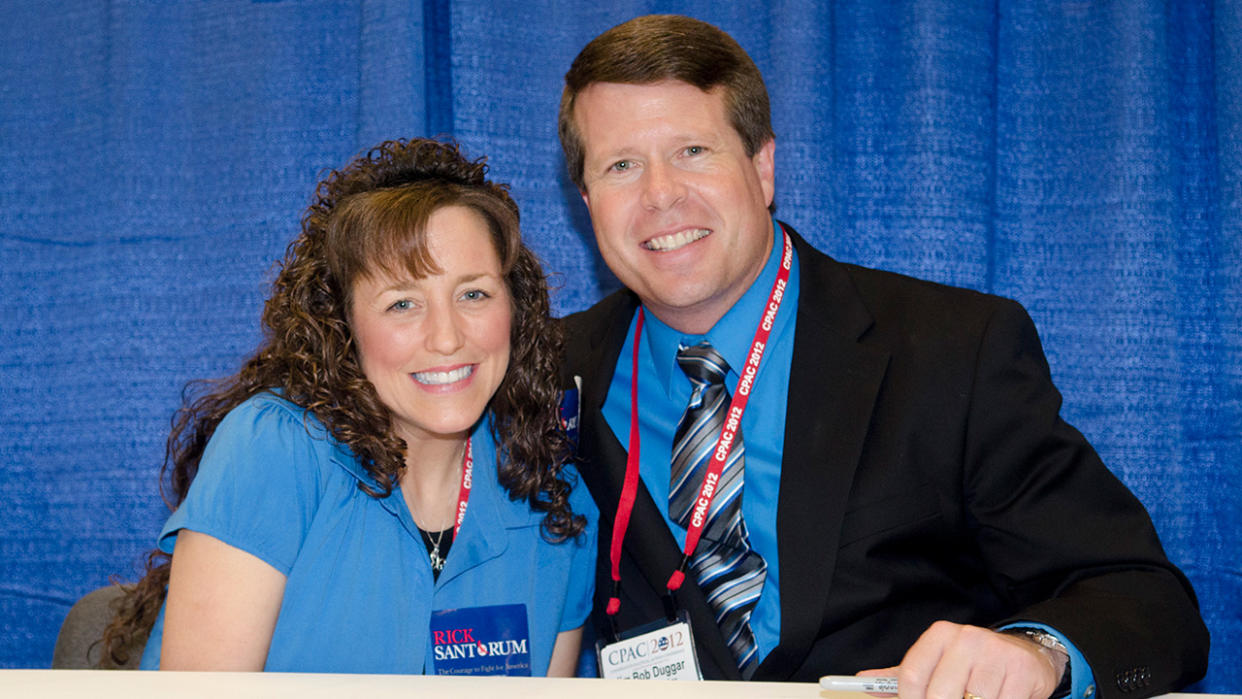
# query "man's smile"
(673, 241)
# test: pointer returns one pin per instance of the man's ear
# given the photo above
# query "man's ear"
(764, 161)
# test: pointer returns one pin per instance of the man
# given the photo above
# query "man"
(892, 490)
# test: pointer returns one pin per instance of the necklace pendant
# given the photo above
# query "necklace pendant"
(437, 563)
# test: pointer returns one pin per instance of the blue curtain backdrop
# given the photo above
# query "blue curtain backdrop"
(1082, 157)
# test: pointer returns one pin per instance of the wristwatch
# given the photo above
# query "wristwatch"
(1053, 643)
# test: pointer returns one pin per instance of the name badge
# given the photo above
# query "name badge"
(481, 641)
(661, 650)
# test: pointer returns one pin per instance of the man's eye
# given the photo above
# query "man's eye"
(402, 305)
(622, 165)
(695, 150)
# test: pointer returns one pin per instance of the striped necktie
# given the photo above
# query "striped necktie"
(729, 572)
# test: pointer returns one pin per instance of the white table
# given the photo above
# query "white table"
(102, 684)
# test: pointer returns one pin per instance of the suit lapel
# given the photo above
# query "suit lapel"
(605, 473)
(833, 384)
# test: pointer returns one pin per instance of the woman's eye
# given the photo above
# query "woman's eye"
(402, 305)
(475, 295)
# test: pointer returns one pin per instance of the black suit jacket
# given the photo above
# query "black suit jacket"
(926, 476)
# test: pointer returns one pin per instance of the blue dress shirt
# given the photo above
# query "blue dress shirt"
(359, 591)
(664, 392)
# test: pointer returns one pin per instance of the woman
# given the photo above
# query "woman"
(380, 488)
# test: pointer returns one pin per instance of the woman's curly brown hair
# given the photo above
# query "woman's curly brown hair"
(371, 216)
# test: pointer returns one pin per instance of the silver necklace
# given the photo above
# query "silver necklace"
(437, 561)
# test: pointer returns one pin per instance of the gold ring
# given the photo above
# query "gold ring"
(970, 695)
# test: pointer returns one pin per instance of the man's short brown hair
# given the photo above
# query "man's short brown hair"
(652, 48)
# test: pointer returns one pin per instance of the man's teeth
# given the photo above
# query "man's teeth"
(439, 378)
(671, 242)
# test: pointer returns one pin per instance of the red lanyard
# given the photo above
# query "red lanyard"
(463, 496)
(728, 432)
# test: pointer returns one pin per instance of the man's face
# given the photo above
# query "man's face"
(680, 211)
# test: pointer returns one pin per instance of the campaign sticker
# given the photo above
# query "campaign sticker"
(571, 412)
(490, 640)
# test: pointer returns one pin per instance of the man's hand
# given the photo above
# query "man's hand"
(952, 661)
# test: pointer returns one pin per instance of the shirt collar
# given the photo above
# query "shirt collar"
(731, 335)
(483, 453)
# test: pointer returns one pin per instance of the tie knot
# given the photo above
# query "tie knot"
(703, 363)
